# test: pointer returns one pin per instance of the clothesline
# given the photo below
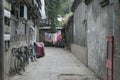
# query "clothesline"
(53, 37)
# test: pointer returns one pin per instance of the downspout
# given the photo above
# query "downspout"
(2, 72)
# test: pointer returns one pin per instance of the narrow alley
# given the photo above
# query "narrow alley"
(58, 64)
(71, 39)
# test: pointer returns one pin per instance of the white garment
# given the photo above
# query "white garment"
(54, 37)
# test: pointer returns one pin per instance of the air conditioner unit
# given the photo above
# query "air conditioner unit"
(23, 12)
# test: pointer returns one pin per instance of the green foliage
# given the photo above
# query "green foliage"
(66, 19)
(55, 8)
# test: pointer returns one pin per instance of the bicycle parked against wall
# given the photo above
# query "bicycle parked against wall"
(20, 59)
(32, 53)
(26, 54)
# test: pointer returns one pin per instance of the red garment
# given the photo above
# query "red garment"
(59, 36)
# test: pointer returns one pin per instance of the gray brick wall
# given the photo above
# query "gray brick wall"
(116, 25)
(79, 30)
(100, 23)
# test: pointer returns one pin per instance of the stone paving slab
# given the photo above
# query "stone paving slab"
(58, 64)
(75, 77)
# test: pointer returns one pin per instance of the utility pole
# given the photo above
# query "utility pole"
(1, 40)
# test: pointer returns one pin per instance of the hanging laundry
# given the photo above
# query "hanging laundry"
(54, 37)
(48, 37)
(59, 35)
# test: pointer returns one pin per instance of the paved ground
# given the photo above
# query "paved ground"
(58, 64)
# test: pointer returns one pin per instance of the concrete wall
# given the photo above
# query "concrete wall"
(21, 28)
(69, 33)
(116, 25)
(7, 63)
(101, 23)
(91, 38)
(80, 52)
(79, 46)
(79, 29)
(17, 40)
(98, 25)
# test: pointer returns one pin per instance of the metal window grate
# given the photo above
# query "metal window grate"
(104, 3)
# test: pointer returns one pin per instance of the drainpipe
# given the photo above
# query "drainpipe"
(1, 41)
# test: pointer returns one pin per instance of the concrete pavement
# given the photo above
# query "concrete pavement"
(58, 64)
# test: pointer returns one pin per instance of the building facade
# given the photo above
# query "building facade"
(21, 20)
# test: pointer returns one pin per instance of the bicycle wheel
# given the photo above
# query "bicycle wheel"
(23, 57)
(31, 56)
(26, 58)
(18, 65)
(27, 55)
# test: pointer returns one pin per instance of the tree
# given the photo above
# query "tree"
(1, 41)
(55, 8)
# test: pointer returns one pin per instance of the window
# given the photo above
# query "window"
(7, 21)
(21, 11)
(7, 45)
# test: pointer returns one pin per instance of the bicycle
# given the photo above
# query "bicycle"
(32, 56)
(26, 54)
(19, 62)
